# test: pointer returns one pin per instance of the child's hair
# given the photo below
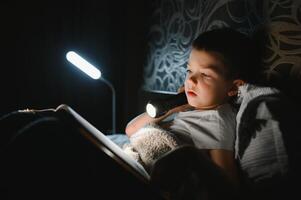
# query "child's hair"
(236, 50)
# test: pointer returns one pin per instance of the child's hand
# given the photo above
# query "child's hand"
(181, 108)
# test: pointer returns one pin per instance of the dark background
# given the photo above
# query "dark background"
(127, 40)
(36, 35)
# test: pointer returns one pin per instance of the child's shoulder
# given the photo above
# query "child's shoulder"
(226, 107)
(226, 110)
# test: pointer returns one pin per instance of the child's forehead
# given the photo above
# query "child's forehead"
(206, 60)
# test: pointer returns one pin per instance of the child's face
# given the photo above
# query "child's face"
(206, 86)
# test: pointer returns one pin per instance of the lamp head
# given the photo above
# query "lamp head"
(83, 65)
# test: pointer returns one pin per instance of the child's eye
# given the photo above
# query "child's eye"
(205, 76)
(188, 71)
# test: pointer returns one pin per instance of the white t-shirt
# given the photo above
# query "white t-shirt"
(206, 129)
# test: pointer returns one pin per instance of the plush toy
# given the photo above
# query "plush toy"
(150, 143)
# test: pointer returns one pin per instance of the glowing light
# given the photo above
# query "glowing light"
(83, 65)
(151, 110)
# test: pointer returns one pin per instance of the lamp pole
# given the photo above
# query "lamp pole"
(113, 103)
(94, 73)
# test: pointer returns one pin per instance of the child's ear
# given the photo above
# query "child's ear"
(234, 90)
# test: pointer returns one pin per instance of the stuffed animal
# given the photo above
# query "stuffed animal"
(150, 143)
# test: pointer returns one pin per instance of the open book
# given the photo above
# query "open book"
(104, 143)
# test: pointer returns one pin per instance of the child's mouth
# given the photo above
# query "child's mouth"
(191, 93)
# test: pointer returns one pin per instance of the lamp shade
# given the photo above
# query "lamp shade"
(83, 65)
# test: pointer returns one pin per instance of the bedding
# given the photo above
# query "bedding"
(259, 145)
(267, 144)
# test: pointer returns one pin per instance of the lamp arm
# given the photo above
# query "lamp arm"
(113, 104)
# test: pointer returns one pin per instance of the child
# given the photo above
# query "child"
(218, 64)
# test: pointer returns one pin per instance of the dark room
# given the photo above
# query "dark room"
(150, 99)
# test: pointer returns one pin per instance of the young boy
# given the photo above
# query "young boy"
(218, 64)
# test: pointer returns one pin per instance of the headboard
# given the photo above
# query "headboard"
(175, 24)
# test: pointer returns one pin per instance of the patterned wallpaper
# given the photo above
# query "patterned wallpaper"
(283, 59)
(175, 23)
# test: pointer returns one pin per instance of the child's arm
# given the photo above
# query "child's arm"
(141, 120)
(225, 160)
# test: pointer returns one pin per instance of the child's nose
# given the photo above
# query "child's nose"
(192, 79)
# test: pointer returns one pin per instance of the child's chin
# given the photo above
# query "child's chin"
(193, 103)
